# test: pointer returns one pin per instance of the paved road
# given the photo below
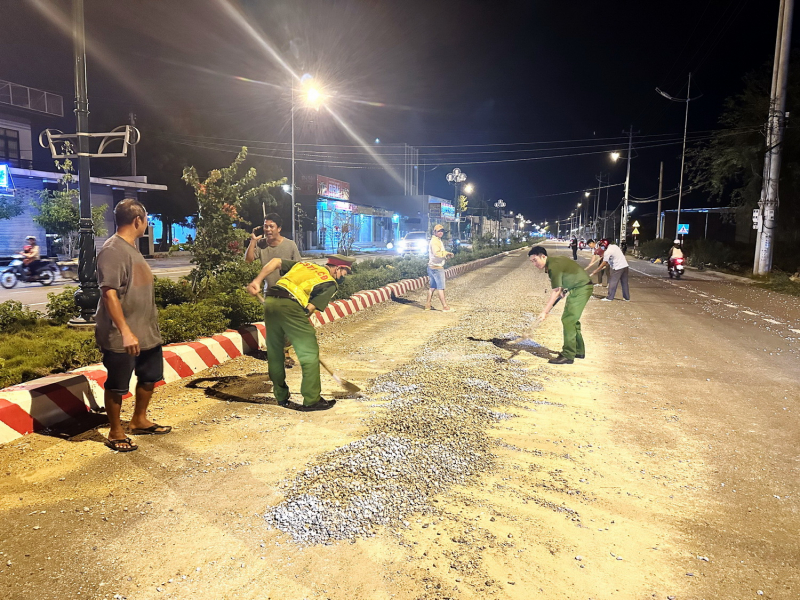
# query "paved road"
(664, 464)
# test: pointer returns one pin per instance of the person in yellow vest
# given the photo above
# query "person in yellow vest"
(303, 288)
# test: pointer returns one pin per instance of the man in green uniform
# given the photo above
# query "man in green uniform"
(302, 289)
(568, 279)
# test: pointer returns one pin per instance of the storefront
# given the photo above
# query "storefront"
(342, 225)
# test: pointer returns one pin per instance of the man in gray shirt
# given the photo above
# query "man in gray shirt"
(127, 326)
(273, 245)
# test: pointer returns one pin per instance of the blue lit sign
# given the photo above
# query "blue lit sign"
(4, 179)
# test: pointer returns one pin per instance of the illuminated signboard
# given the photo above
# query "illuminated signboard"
(333, 188)
(4, 179)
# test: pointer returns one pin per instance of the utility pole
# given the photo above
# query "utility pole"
(597, 205)
(683, 157)
(767, 212)
(623, 226)
(133, 148)
(659, 224)
(88, 295)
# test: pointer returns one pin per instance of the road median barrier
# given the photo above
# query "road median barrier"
(44, 403)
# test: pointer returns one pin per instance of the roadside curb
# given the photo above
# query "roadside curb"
(43, 403)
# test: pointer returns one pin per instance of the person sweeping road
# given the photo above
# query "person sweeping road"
(302, 289)
(568, 279)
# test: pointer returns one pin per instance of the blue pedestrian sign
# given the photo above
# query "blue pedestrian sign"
(683, 229)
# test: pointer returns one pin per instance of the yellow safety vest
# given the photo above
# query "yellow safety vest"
(302, 279)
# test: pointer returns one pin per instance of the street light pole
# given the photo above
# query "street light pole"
(623, 226)
(294, 238)
(683, 153)
(88, 294)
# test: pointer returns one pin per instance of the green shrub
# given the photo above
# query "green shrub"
(239, 307)
(710, 252)
(657, 248)
(170, 292)
(14, 316)
(61, 306)
(234, 276)
(186, 322)
(74, 353)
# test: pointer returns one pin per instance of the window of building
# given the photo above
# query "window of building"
(9, 146)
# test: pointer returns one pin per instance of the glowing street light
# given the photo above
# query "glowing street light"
(469, 188)
(313, 98)
(615, 156)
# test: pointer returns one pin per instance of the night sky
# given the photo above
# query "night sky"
(455, 79)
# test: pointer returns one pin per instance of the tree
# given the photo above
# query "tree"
(10, 207)
(730, 165)
(59, 212)
(220, 196)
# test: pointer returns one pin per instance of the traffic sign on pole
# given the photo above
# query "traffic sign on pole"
(683, 229)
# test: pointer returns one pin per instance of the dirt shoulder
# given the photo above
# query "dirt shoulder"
(477, 469)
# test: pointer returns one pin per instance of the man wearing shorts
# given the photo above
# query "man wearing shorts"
(127, 326)
(436, 257)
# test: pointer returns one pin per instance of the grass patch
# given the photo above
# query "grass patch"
(779, 281)
(42, 349)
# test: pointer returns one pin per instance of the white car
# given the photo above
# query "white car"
(414, 242)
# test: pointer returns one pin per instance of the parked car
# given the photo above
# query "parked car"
(414, 242)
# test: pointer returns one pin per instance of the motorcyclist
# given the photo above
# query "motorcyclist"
(31, 254)
(674, 252)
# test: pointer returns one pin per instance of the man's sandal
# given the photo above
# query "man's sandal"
(124, 445)
(154, 429)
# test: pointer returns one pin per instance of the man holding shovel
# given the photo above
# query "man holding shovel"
(302, 289)
(567, 279)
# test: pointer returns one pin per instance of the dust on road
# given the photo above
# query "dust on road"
(469, 468)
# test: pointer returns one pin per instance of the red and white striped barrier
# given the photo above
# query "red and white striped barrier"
(46, 402)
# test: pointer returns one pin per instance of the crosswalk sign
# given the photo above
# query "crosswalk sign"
(636, 224)
(683, 229)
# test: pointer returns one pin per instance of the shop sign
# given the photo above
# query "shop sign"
(333, 188)
(4, 178)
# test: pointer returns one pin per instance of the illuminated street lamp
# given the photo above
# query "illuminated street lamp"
(312, 97)
(456, 177)
(499, 205)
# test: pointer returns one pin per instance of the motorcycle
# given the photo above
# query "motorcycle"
(675, 267)
(41, 271)
(68, 268)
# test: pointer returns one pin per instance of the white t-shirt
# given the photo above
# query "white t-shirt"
(614, 257)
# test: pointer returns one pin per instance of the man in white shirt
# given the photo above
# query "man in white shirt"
(436, 257)
(615, 259)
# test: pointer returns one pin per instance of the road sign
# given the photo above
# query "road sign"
(636, 224)
(635, 231)
(683, 229)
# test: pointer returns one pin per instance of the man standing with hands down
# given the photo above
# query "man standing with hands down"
(568, 279)
(303, 289)
(127, 326)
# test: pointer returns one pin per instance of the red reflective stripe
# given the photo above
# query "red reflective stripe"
(61, 397)
(227, 345)
(204, 353)
(16, 418)
(176, 362)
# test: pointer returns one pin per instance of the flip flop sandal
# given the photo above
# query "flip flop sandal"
(116, 445)
(154, 429)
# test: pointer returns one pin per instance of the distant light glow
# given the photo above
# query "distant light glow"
(377, 140)
(615, 156)
(469, 188)
(286, 188)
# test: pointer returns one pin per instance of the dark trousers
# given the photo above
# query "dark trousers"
(575, 253)
(616, 277)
